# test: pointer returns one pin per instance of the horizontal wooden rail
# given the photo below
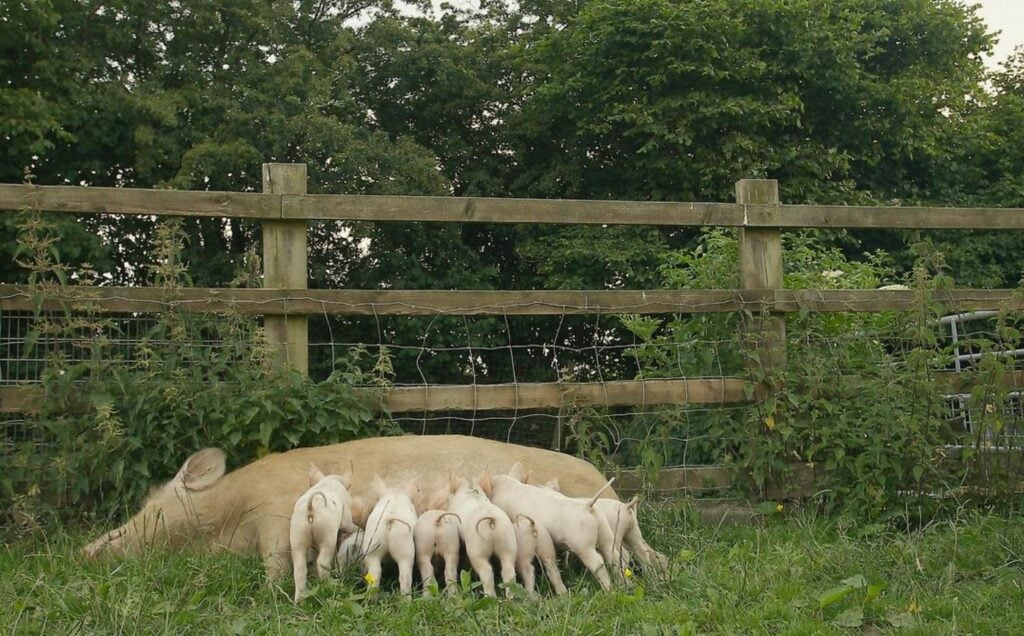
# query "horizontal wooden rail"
(20, 399)
(484, 210)
(533, 303)
(508, 397)
(553, 395)
(487, 210)
(963, 382)
(92, 200)
(888, 217)
(674, 480)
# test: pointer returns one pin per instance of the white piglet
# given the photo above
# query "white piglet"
(574, 525)
(437, 536)
(319, 516)
(348, 550)
(626, 529)
(486, 532)
(388, 533)
(533, 541)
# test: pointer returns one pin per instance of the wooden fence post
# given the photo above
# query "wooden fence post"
(284, 267)
(761, 269)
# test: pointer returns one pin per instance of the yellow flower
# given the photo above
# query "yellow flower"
(779, 508)
(628, 573)
(370, 579)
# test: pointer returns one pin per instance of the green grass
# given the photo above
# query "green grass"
(951, 578)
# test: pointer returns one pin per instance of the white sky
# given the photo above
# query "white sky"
(1006, 16)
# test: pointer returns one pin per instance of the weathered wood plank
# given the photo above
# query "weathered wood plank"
(761, 268)
(19, 399)
(91, 200)
(507, 397)
(885, 217)
(675, 480)
(25, 398)
(952, 382)
(752, 214)
(96, 200)
(561, 211)
(504, 397)
(486, 210)
(875, 300)
(390, 302)
(513, 303)
(284, 267)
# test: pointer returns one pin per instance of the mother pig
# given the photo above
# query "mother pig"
(249, 510)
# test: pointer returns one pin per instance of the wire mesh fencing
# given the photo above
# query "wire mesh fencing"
(431, 353)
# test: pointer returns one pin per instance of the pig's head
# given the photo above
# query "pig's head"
(169, 512)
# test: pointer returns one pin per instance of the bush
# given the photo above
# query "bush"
(856, 407)
(112, 423)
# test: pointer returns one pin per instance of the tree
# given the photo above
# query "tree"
(986, 169)
(665, 100)
(842, 101)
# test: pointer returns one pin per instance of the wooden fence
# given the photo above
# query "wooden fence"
(285, 210)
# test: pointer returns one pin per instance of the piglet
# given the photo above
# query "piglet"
(389, 533)
(625, 528)
(534, 542)
(575, 525)
(486, 532)
(319, 516)
(437, 535)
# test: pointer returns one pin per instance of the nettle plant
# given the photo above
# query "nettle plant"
(856, 407)
(115, 420)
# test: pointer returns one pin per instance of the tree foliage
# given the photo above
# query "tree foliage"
(845, 101)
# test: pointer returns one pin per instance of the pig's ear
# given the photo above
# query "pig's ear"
(518, 472)
(632, 503)
(202, 469)
(553, 484)
(484, 482)
(346, 477)
(314, 474)
(378, 486)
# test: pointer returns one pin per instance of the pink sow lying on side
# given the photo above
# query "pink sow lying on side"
(248, 510)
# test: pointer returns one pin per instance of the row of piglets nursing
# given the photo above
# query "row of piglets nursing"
(501, 518)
